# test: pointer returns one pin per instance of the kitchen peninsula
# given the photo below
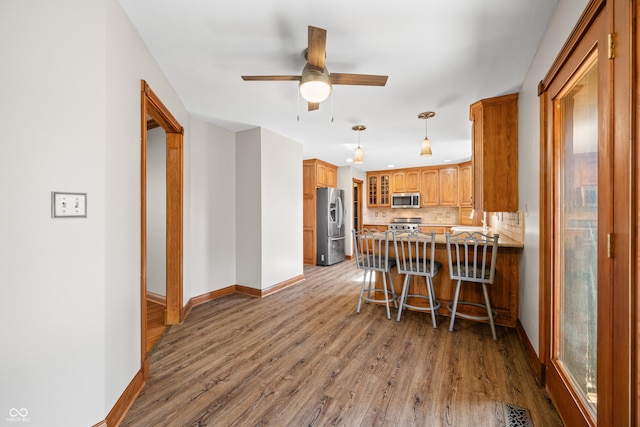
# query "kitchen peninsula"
(505, 289)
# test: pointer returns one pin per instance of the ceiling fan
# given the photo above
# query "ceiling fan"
(315, 80)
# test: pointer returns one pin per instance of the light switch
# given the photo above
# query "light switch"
(68, 204)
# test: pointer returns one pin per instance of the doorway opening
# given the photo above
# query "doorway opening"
(357, 204)
(155, 115)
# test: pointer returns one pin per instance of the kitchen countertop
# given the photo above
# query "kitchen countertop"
(503, 241)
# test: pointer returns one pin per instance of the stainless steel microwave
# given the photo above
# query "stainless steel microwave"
(405, 200)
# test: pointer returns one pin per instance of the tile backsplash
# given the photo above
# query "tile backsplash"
(508, 224)
(433, 215)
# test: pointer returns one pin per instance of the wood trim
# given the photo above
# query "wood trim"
(158, 112)
(175, 173)
(239, 289)
(282, 285)
(534, 361)
(157, 298)
(125, 401)
(152, 108)
(586, 19)
(545, 251)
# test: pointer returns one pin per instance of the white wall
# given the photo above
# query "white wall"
(281, 185)
(213, 208)
(269, 208)
(52, 271)
(564, 19)
(157, 211)
(248, 208)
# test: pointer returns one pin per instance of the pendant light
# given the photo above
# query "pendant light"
(425, 150)
(358, 159)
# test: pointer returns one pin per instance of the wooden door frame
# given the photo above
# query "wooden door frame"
(153, 109)
(359, 184)
(617, 370)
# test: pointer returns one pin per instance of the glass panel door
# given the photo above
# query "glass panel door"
(576, 225)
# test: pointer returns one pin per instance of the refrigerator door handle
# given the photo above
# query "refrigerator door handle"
(341, 213)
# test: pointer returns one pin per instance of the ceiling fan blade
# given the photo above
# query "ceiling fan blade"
(313, 106)
(316, 50)
(358, 79)
(261, 78)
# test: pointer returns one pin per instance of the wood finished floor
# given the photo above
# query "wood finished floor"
(155, 323)
(303, 357)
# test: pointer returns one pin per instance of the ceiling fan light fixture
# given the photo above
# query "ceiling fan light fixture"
(358, 158)
(425, 150)
(315, 85)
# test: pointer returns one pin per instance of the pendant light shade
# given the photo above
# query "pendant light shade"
(425, 150)
(358, 158)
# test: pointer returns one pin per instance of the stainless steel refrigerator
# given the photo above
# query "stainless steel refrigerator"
(330, 227)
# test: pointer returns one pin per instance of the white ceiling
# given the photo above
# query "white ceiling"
(440, 56)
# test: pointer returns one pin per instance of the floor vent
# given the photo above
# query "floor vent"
(515, 416)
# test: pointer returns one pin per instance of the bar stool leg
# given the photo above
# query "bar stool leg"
(429, 284)
(455, 306)
(393, 291)
(489, 311)
(364, 280)
(403, 295)
(386, 295)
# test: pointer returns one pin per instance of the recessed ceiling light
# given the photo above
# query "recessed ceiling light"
(447, 160)
(390, 166)
(349, 160)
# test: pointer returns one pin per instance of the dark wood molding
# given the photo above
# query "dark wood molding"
(125, 401)
(282, 285)
(534, 361)
(590, 13)
(157, 298)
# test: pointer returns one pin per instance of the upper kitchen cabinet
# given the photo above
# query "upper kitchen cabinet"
(326, 173)
(439, 186)
(495, 153)
(465, 179)
(430, 187)
(378, 189)
(448, 186)
(406, 181)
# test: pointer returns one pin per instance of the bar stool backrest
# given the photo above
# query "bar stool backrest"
(472, 256)
(371, 249)
(415, 252)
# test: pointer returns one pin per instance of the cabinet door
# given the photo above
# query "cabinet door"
(429, 187)
(478, 160)
(466, 184)
(385, 187)
(321, 175)
(372, 190)
(412, 181)
(398, 183)
(332, 177)
(448, 187)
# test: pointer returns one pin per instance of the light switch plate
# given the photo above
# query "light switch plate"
(68, 205)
